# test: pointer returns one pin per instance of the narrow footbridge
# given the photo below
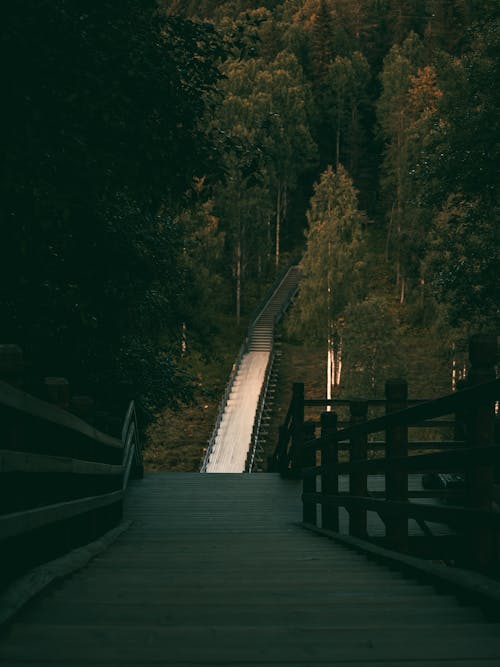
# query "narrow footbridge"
(235, 435)
(104, 566)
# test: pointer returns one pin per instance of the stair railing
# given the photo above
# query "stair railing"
(236, 366)
(63, 481)
(254, 441)
(476, 520)
(222, 406)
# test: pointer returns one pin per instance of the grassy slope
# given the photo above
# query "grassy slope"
(177, 438)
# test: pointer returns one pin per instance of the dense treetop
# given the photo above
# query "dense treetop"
(159, 158)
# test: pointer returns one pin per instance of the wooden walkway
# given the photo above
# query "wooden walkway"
(233, 434)
(214, 571)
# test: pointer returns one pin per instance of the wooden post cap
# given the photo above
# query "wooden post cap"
(358, 409)
(57, 390)
(396, 390)
(483, 350)
(11, 362)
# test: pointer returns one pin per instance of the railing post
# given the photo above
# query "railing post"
(330, 475)
(280, 464)
(297, 427)
(358, 485)
(309, 483)
(460, 430)
(396, 479)
(480, 432)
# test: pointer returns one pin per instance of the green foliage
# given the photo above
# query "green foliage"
(332, 266)
(344, 95)
(462, 264)
(371, 351)
(101, 137)
(112, 112)
(459, 169)
(268, 146)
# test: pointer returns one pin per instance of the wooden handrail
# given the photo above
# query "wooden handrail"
(476, 458)
(429, 410)
(456, 460)
(63, 480)
(334, 402)
(25, 404)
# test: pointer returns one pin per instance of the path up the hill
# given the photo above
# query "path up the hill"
(214, 571)
(233, 435)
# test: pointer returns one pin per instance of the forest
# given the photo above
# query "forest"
(163, 160)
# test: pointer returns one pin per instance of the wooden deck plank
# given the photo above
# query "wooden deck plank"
(215, 571)
(256, 643)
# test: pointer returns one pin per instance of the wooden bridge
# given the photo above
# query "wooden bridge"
(228, 569)
(234, 441)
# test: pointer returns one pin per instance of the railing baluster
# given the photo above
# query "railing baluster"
(481, 431)
(309, 513)
(298, 427)
(396, 480)
(358, 485)
(329, 463)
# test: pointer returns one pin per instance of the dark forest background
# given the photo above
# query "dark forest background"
(159, 162)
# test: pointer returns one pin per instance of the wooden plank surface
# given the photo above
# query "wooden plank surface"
(215, 571)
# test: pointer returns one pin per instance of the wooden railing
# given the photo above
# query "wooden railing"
(250, 463)
(475, 518)
(62, 480)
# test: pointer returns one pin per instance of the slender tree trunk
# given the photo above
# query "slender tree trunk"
(334, 362)
(403, 290)
(399, 200)
(329, 372)
(278, 226)
(284, 207)
(354, 144)
(338, 377)
(184, 339)
(454, 371)
(238, 281)
(389, 234)
(422, 292)
(269, 240)
(337, 144)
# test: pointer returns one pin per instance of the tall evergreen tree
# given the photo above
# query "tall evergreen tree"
(332, 266)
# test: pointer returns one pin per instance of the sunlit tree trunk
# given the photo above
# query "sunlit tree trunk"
(238, 280)
(329, 372)
(338, 365)
(337, 143)
(184, 338)
(278, 226)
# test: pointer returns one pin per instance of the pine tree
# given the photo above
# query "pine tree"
(332, 266)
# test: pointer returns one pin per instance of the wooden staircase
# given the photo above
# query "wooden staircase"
(232, 446)
(215, 571)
